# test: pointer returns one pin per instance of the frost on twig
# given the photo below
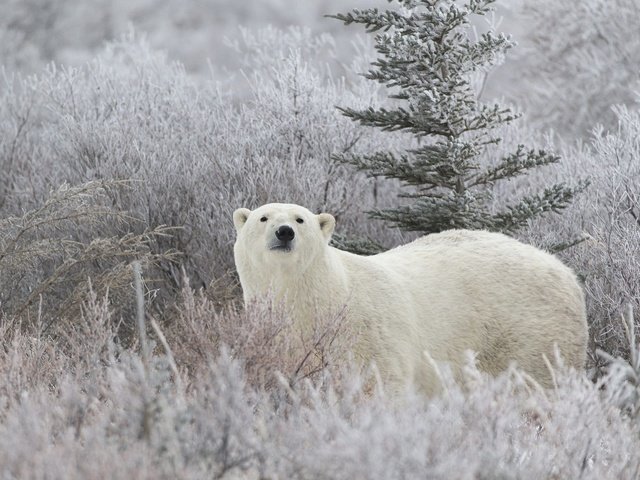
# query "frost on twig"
(622, 382)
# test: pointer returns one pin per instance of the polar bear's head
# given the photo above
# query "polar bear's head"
(279, 235)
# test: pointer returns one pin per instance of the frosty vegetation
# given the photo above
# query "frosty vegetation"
(117, 153)
(578, 61)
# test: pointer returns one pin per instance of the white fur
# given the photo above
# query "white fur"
(443, 294)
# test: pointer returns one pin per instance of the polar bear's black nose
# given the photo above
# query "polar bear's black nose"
(285, 233)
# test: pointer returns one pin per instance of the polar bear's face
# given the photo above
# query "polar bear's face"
(280, 235)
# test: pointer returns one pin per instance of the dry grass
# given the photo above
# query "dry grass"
(263, 335)
(83, 406)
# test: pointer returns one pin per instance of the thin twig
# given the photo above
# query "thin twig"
(168, 352)
(137, 279)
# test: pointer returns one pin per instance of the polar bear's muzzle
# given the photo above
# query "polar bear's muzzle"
(284, 239)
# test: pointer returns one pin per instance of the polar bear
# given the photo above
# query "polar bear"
(434, 298)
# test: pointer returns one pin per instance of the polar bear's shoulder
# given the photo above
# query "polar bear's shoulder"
(465, 239)
(464, 247)
(451, 237)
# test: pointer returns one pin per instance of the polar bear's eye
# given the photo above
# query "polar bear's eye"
(263, 219)
(299, 220)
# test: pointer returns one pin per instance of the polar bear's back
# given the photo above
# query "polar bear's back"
(486, 292)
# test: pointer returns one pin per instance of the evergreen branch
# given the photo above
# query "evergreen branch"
(441, 22)
(435, 214)
(486, 117)
(360, 246)
(373, 20)
(483, 51)
(517, 163)
(480, 7)
(455, 153)
(553, 199)
(412, 173)
(394, 120)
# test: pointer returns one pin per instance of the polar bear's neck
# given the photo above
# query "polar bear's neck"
(320, 289)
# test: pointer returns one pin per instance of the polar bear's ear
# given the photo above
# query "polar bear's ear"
(240, 217)
(327, 224)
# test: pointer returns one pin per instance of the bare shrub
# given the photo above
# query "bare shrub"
(48, 253)
(61, 419)
(266, 339)
(577, 60)
(192, 153)
(90, 342)
(536, 434)
(622, 381)
(28, 361)
(36, 32)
